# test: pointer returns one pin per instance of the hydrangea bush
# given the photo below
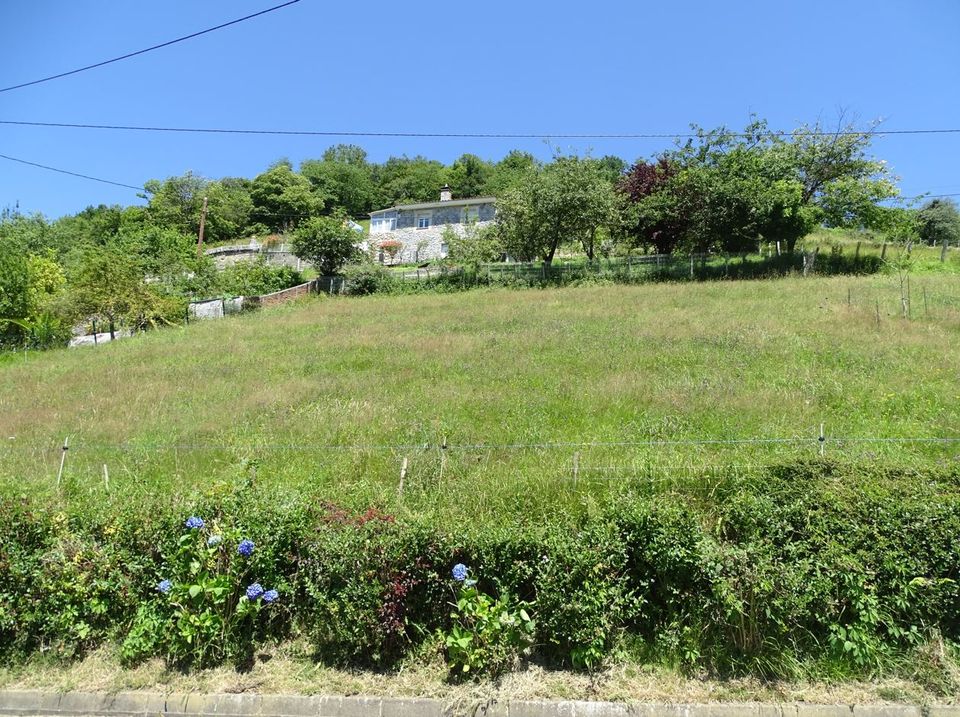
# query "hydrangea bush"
(209, 601)
(487, 635)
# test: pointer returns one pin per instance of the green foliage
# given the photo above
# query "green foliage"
(568, 200)
(345, 176)
(326, 242)
(727, 191)
(473, 246)
(109, 283)
(829, 565)
(367, 277)
(582, 600)
(282, 199)
(939, 222)
(209, 602)
(487, 635)
(253, 278)
(468, 176)
(403, 180)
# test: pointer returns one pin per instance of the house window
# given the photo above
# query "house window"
(383, 224)
(471, 214)
(423, 221)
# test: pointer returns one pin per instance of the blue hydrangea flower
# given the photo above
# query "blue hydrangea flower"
(194, 522)
(254, 591)
(460, 572)
(164, 586)
(214, 540)
(245, 548)
(270, 595)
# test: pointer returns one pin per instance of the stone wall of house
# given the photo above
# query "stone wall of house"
(406, 218)
(417, 245)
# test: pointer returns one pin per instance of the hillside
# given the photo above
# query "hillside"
(334, 393)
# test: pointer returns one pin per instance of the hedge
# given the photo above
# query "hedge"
(815, 562)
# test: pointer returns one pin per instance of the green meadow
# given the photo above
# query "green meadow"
(533, 392)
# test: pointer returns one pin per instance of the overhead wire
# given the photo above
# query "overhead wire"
(454, 135)
(73, 174)
(147, 49)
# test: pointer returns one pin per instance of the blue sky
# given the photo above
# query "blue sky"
(525, 67)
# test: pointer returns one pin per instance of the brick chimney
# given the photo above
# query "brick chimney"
(445, 193)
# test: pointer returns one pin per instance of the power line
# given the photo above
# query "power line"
(452, 135)
(73, 174)
(148, 49)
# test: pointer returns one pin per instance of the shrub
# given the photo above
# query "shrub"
(810, 565)
(367, 278)
(487, 634)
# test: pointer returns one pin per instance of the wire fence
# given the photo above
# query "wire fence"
(561, 459)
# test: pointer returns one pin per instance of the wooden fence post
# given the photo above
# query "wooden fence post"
(63, 459)
(822, 439)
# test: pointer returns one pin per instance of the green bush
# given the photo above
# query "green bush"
(367, 278)
(817, 567)
(254, 278)
(487, 635)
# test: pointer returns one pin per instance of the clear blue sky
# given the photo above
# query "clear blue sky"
(600, 67)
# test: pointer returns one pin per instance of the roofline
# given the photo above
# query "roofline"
(432, 205)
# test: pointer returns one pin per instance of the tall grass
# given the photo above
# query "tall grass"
(332, 394)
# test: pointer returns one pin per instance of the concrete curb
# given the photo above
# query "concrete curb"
(33, 703)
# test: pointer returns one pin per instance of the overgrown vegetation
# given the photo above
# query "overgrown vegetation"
(723, 192)
(803, 569)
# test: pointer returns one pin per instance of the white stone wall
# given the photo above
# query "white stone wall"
(418, 245)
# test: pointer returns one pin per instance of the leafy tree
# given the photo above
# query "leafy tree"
(474, 246)
(282, 198)
(345, 177)
(109, 283)
(346, 154)
(30, 232)
(15, 287)
(326, 242)
(657, 218)
(939, 222)
(613, 167)
(727, 190)
(508, 172)
(403, 180)
(468, 176)
(253, 278)
(568, 200)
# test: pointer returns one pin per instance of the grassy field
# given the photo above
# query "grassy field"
(334, 393)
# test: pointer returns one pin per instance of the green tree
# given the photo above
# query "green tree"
(15, 289)
(726, 190)
(282, 198)
(108, 282)
(566, 201)
(402, 180)
(468, 176)
(939, 222)
(344, 175)
(326, 242)
(508, 172)
(474, 246)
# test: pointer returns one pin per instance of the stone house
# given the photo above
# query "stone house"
(413, 233)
